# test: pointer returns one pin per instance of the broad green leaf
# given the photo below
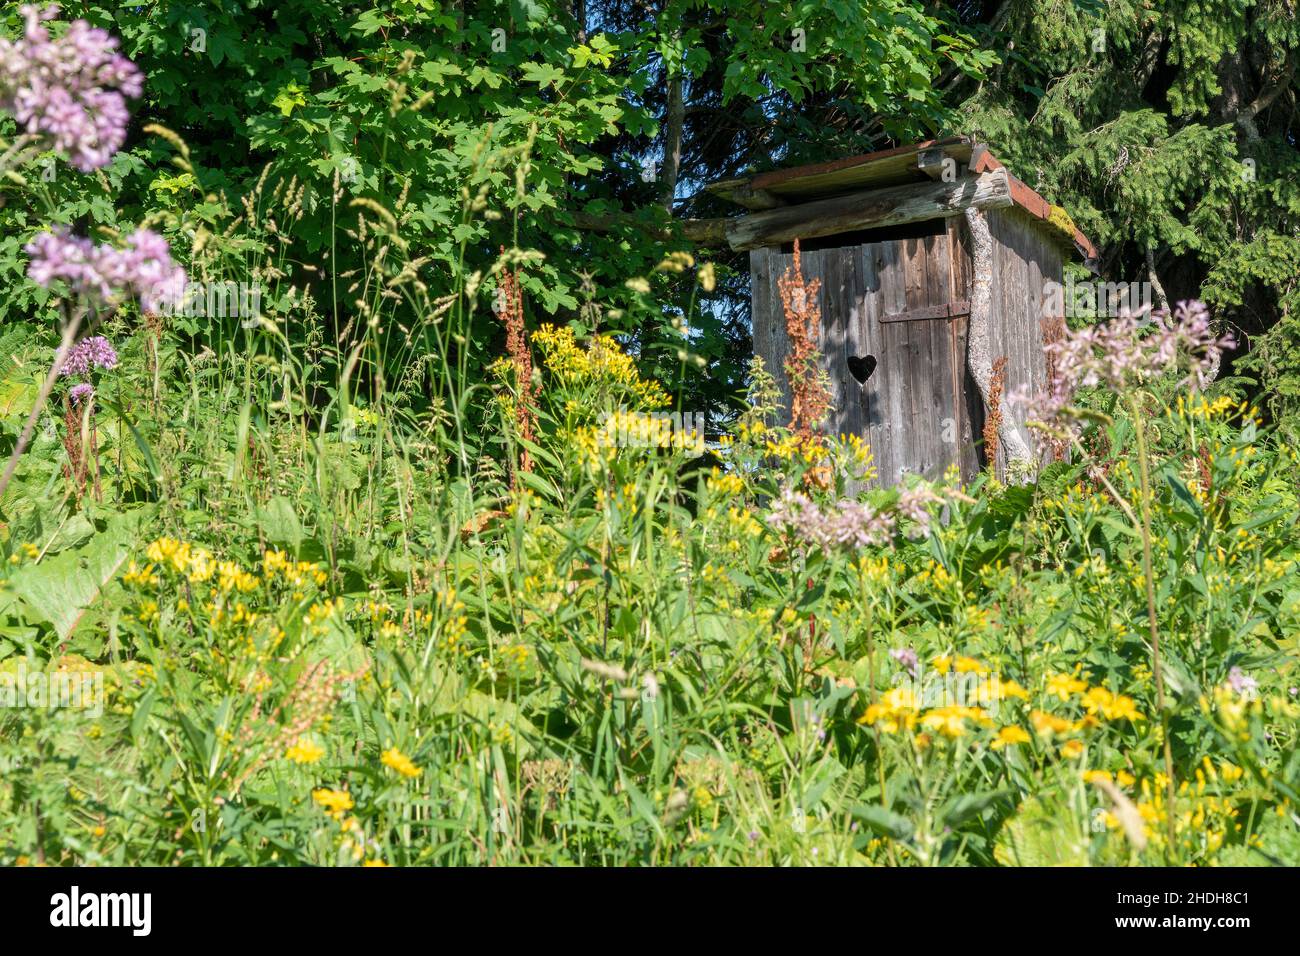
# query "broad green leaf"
(60, 589)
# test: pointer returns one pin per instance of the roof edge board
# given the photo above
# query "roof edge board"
(782, 187)
(780, 177)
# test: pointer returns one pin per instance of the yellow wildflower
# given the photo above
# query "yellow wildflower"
(394, 758)
(1065, 685)
(897, 708)
(1111, 706)
(335, 802)
(1009, 688)
(951, 721)
(1048, 724)
(305, 750)
(1010, 736)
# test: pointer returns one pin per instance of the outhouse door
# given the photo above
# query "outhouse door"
(894, 323)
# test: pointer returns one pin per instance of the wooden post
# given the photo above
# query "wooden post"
(978, 353)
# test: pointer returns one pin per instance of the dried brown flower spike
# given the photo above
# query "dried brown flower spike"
(810, 397)
(512, 314)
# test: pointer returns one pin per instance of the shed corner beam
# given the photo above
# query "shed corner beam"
(705, 232)
(936, 161)
(979, 358)
(740, 192)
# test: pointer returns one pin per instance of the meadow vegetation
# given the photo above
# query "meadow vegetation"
(401, 594)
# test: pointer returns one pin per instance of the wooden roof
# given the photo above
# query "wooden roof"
(901, 166)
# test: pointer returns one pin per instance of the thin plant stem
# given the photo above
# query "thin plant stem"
(868, 609)
(1144, 471)
(871, 676)
(69, 334)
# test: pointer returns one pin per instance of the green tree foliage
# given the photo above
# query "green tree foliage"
(547, 114)
(1166, 128)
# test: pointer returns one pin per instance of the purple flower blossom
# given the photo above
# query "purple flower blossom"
(79, 392)
(1242, 683)
(1123, 352)
(59, 255)
(71, 90)
(907, 657)
(914, 504)
(146, 267)
(848, 523)
(101, 274)
(87, 355)
(797, 514)
(856, 525)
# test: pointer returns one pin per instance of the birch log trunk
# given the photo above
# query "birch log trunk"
(1154, 279)
(978, 350)
(674, 122)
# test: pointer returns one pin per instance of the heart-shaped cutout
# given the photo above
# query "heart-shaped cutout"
(861, 367)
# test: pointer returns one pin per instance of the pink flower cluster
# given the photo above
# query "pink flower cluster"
(102, 274)
(908, 659)
(71, 90)
(1125, 352)
(851, 524)
(92, 353)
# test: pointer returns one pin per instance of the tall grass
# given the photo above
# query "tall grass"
(618, 657)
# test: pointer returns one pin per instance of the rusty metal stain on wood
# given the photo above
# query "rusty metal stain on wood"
(946, 310)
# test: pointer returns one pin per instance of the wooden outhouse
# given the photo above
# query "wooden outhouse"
(935, 268)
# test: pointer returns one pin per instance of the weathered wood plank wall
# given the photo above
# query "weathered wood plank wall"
(914, 409)
(971, 406)
(771, 343)
(1024, 260)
